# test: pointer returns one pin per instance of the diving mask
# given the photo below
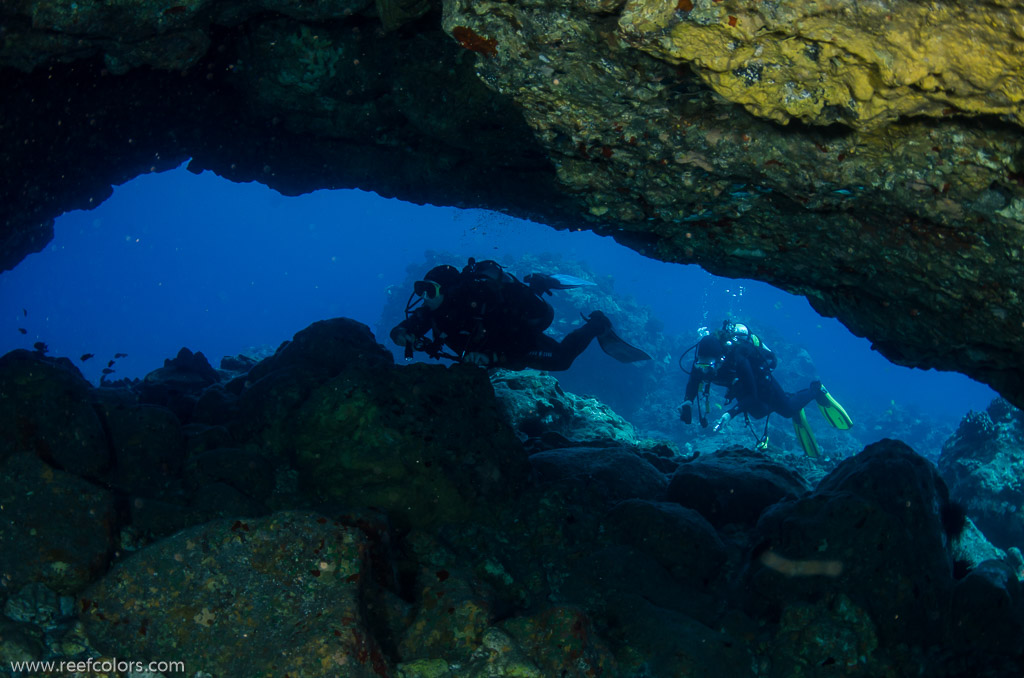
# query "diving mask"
(428, 289)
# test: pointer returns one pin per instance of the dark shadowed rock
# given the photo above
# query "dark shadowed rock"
(988, 611)
(215, 405)
(872, 531)
(248, 472)
(326, 348)
(149, 448)
(663, 642)
(45, 409)
(733, 486)
(680, 539)
(275, 596)
(611, 573)
(54, 527)
(612, 473)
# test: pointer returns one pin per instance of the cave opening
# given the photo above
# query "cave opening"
(177, 259)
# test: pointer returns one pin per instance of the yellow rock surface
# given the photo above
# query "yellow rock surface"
(862, 64)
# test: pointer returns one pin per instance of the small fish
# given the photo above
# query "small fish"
(107, 370)
(85, 356)
(120, 355)
(110, 364)
(24, 312)
(41, 347)
(23, 330)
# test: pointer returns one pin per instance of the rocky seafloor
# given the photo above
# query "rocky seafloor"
(325, 512)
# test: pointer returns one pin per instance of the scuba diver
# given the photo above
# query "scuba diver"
(486, 316)
(737, 359)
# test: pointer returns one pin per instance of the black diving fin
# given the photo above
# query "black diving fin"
(616, 347)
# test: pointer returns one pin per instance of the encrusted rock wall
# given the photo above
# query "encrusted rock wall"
(867, 156)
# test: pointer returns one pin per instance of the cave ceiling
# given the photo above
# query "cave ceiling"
(865, 155)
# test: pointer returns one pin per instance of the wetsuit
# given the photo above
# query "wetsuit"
(750, 383)
(504, 322)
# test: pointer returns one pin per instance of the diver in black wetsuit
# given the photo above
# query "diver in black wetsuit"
(736, 359)
(485, 316)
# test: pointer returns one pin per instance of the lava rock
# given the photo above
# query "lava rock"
(55, 528)
(611, 473)
(326, 348)
(987, 615)
(733, 486)
(45, 409)
(423, 442)
(149, 448)
(246, 471)
(872, 531)
(680, 539)
(281, 594)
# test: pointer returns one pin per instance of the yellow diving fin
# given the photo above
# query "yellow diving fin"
(804, 435)
(833, 411)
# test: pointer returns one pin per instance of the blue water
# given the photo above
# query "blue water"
(178, 259)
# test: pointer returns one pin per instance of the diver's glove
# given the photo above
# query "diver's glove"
(541, 283)
(722, 421)
(686, 413)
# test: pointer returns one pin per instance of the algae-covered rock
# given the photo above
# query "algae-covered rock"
(451, 615)
(424, 442)
(267, 597)
(842, 61)
(831, 637)
(561, 640)
(55, 528)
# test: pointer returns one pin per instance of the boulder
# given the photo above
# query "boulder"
(45, 409)
(424, 442)
(149, 448)
(733, 486)
(611, 473)
(275, 596)
(873, 531)
(55, 528)
(179, 383)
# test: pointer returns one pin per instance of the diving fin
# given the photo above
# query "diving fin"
(568, 282)
(613, 345)
(804, 435)
(833, 411)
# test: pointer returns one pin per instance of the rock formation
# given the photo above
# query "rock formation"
(866, 156)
